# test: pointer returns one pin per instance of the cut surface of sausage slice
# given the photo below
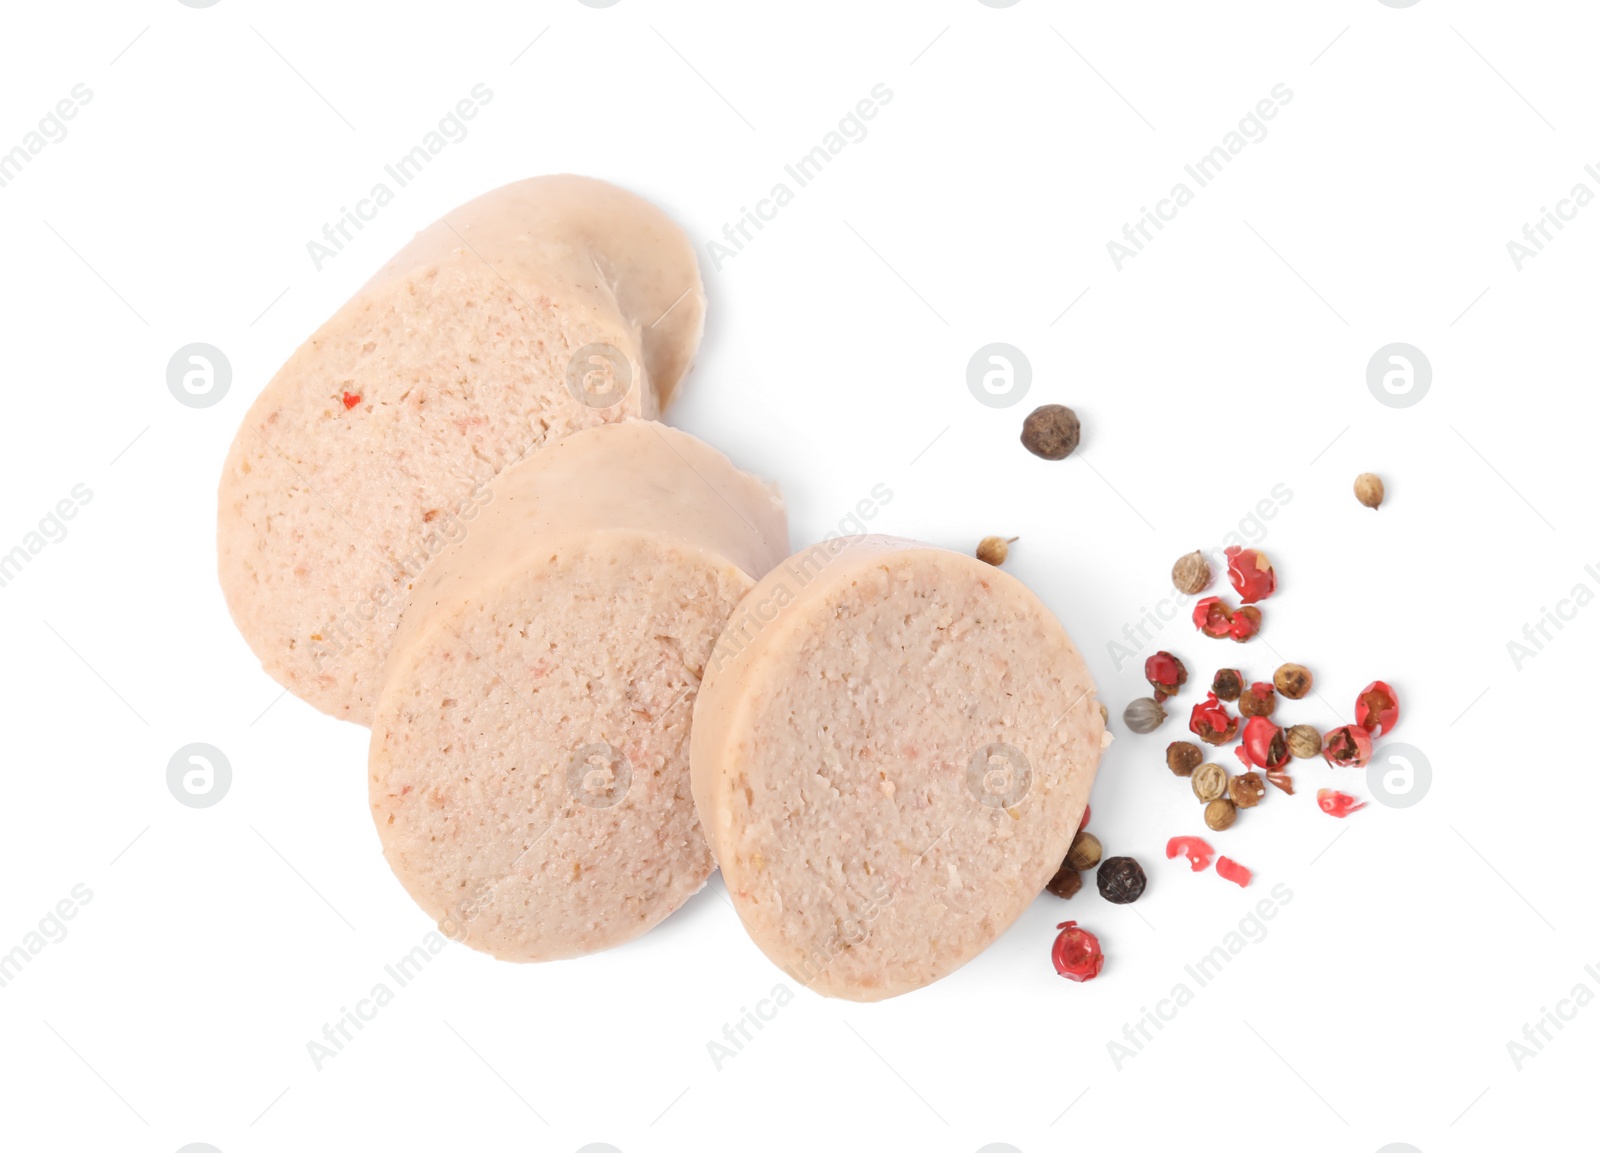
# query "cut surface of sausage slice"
(540, 308)
(529, 772)
(892, 750)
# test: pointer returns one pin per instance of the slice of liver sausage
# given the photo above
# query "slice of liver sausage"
(543, 307)
(891, 752)
(529, 765)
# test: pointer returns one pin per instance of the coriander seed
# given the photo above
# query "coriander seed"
(1120, 880)
(1305, 742)
(1085, 851)
(1369, 489)
(1209, 782)
(993, 549)
(1144, 715)
(1183, 758)
(1293, 681)
(1192, 573)
(1051, 431)
(1246, 790)
(1221, 813)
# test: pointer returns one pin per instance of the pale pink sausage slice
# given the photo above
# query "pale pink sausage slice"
(529, 764)
(890, 756)
(546, 306)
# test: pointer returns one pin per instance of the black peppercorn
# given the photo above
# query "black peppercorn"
(1120, 880)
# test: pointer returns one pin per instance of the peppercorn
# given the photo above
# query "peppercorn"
(1066, 883)
(1211, 722)
(1281, 779)
(1245, 623)
(1166, 675)
(1192, 573)
(1085, 851)
(993, 550)
(1246, 790)
(1120, 880)
(1076, 954)
(1304, 742)
(1143, 715)
(1228, 684)
(1251, 574)
(1051, 431)
(1183, 757)
(1221, 813)
(1212, 616)
(1105, 714)
(1264, 746)
(1293, 681)
(1347, 747)
(1377, 708)
(1259, 700)
(1209, 782)
(1369, 489)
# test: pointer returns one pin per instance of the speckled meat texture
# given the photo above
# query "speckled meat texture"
(892, 750)
(371, 448)
(529, 764)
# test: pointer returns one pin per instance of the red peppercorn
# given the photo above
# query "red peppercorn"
(1251, 574)
(1213, 723)
(351, 399)
(1377, 708)
(1337, 804)
(1213, 617)
(1281, 779)
(1264, 745)
(1245, 623)
(1166, 675)
(1230, 870)
(1077, 954)
(1228, 684)
(1347, 747)
(1197, 850)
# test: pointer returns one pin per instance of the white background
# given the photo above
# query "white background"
(1226, 359)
